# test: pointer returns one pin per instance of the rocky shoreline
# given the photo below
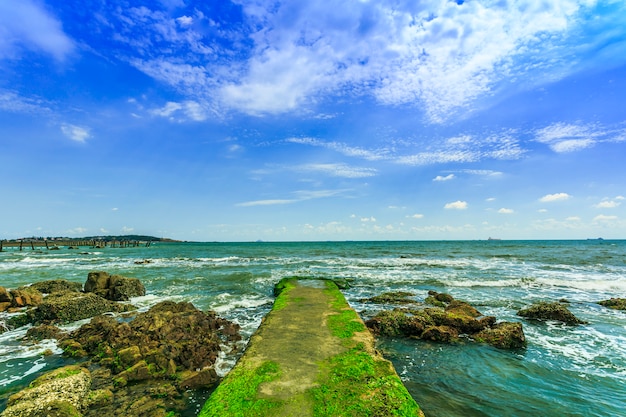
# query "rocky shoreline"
(126, 363)
(441, 318)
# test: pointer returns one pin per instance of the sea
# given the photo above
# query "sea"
(563, 371)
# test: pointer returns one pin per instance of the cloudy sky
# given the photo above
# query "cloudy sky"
(238, 120)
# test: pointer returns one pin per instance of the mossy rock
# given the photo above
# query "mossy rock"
(614, 303)
(394, 297)
(550, 311)
(505, 335)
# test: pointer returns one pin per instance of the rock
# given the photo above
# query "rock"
(66, 307)
(122, 289)
(5, 305)
(207, 377)
(614, 303)
(26, 297)
(505, 335)
(550, 311)
(447, 324)
(113, 287)
(61, 392)
(396, 297)
(438, 299)
(97, 281)
(150, 362)
(440, 334)
(57, 285)
(388, 323)
(5, 295)
(167, 336)
(45, 331)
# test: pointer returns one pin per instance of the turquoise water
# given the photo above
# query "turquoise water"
(564, 371)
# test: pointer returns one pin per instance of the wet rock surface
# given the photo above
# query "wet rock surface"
(113, 287)
(550, 311)
(614, 303)
(447, 321)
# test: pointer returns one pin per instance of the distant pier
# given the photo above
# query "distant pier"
(56, 244)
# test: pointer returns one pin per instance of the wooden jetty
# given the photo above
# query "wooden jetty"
(311, 356)
(69, 243)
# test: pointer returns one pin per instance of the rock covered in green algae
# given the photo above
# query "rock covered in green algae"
(614, 303)
(550, 311)
(394, 297)
(446, 322)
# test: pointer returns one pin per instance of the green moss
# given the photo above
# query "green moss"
(344, 324)
(355, 384)
(237, 396)
(281, 290)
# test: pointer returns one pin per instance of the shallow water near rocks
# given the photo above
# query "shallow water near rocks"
(564, 371)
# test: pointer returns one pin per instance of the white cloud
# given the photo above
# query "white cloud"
(13, 102)
(184, 20)
(564, 137)
(187, 110)
(555, 197)
(442, 178)
(76, 133)
(573, 219)
(347, 150)
(126, 229)
(604, 218)
(302, 195)
(415, 216)
(457, 205)
(506, 211)
(26, 24)
(265, 203)
(368, 219)
(339, 170)
(439, 55)
(608, 204)
(77, 231)
(490, 199)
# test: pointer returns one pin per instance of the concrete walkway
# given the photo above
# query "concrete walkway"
(311, 356)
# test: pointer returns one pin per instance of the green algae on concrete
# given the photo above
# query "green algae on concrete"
(311, 356)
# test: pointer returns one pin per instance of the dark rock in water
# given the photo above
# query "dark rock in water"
(438, 299)
(550, 311)
(440, 334)
(505, 335)
(114, 287)
(614, 303)
(57, 285)
(447, 323)
(66, 307)
(45, 331)
(395, 297)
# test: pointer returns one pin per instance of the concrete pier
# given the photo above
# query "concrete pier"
(311, 356)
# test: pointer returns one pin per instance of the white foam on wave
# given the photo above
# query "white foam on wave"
(36, 366)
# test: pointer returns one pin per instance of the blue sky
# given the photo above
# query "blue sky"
(313, 120)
